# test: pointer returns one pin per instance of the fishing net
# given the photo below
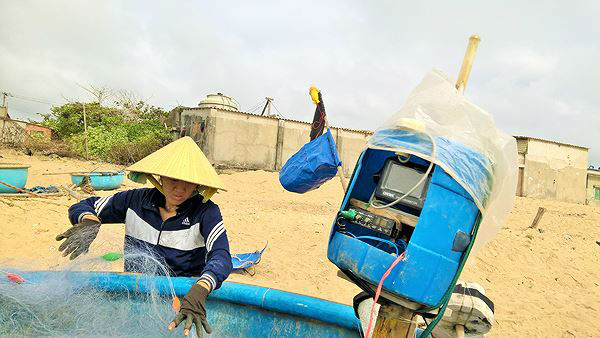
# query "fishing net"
(68, 304)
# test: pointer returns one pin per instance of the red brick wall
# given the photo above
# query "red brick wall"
(36, 129)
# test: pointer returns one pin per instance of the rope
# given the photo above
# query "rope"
(378, 292)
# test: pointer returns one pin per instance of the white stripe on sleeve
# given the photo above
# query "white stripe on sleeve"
(102, 205)
(213, 232)
(210, 280)
(212, 242)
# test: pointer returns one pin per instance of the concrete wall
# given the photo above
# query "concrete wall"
(350, 144)
(593, 183)
(295, 135)
(555, 171)
(233, 139)
(244, 141)
(240, 140)
(198, 124)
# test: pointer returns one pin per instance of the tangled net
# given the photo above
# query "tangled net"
(61, 305)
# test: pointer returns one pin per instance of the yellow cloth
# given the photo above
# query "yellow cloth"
(182, 160)
(314, 94)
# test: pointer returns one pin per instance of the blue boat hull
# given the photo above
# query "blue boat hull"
(236, 310)
(101, 180)
(13, 175)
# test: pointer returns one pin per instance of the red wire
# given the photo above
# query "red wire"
(385, 275)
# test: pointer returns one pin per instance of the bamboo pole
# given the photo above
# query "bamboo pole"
(465, 69)
(72, 193)
(87, 153)
(82, 173)
(21, 190)
(340, 170)
(537, 218)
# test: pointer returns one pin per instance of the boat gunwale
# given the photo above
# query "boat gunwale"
(269, 299)
(14, 166)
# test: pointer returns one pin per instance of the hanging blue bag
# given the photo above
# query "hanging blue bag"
(314, 164)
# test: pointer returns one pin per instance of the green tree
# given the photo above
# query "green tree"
(67, 120)
(141, 111)
(122, 134)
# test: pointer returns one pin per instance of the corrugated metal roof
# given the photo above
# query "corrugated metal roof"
(549, 141)
(369, 132)
(366, 132)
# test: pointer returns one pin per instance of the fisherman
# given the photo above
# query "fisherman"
(174, 221)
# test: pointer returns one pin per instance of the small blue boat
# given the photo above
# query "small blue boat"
(14, 174)
(105, 180)
(234, 310)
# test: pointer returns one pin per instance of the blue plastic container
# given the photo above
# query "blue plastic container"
(431, 262)
(14, 174)
(234, 310)
(101, 180)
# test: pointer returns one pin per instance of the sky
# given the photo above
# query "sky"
(537, 68)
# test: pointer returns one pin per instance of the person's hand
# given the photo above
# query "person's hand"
(193, 311)
(79, 237)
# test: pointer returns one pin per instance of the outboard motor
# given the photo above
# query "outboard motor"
(434, 180)
(397, 202)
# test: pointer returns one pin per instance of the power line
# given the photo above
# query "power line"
(28, 98)
(32, 99)
(273, 104)
(256, 106)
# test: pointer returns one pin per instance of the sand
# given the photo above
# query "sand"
(545, 282)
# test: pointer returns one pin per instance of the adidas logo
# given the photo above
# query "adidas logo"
(186, 221)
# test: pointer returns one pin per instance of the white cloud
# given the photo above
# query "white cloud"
(535, 70)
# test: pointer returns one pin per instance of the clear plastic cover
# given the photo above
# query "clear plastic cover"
(466, 145)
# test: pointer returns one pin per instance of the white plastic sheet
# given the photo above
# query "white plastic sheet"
(468, 146)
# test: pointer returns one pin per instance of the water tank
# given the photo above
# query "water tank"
(219, 101)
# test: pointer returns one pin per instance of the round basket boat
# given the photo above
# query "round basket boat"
(105, 180)
(234, 310)
(14, 174)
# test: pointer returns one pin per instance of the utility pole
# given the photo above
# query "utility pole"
(87, 155)
(4, 107)
(267, 106)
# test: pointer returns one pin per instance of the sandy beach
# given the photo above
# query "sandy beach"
(545, 282)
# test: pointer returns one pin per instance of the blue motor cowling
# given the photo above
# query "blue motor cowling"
(434, 223)
(419, 192)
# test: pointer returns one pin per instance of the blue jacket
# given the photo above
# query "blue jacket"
(192, 243)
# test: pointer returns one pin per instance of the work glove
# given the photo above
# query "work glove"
(193, 311)
(79, 237)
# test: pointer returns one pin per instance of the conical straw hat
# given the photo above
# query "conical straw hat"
(181, 160)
